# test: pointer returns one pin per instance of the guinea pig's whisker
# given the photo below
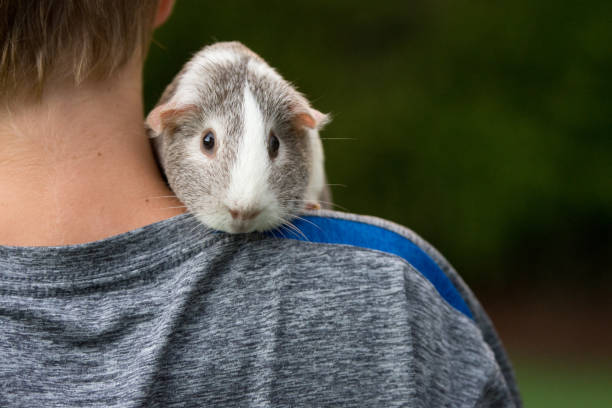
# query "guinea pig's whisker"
(280, 231)
(295, 229)
(290, 226)
(194, 229)
(334, 205)
(337, 138)
(321, 202)
(309, 222)
(164, 196)
(201, 226)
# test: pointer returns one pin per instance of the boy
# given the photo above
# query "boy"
(106, 299)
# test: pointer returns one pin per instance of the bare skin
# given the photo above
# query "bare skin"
(77, 166)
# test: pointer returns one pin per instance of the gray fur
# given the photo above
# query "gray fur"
(219, 95)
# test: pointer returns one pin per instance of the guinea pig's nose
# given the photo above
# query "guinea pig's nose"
(243, 214)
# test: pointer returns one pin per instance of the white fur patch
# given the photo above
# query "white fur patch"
(248, 189)
(317, 176)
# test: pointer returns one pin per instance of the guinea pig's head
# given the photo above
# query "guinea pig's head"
(239, 147)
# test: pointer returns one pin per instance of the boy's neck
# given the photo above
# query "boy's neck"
(77, 166)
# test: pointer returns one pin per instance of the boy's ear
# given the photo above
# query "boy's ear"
(312, 119)
(164, 9)
(167, 117)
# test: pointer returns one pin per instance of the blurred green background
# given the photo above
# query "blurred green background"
(485, 126)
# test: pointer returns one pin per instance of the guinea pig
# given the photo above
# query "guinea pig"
(239, 145)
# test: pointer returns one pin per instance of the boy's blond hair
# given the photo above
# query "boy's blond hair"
(68, 39)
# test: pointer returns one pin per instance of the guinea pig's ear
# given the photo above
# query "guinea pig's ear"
(312, 119)
(168, 117)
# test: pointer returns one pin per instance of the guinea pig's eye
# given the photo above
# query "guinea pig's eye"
(208, 142)
(273, 145)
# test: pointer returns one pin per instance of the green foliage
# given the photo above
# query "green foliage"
(558, 384)
(485, 126)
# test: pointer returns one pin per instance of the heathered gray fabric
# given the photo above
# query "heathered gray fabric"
(480, 316)
(173, 315)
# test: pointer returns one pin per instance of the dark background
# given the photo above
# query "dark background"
(485, 126)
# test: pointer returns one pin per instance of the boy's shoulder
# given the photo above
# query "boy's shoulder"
(376, 234)
(368, 233)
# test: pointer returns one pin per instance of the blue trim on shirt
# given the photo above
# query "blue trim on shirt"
(347, 232)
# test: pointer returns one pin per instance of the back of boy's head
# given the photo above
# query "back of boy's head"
(76, 40)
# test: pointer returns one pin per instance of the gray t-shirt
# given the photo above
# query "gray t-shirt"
(348, 311)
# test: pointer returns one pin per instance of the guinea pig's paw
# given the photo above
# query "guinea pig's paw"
(312, 205)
